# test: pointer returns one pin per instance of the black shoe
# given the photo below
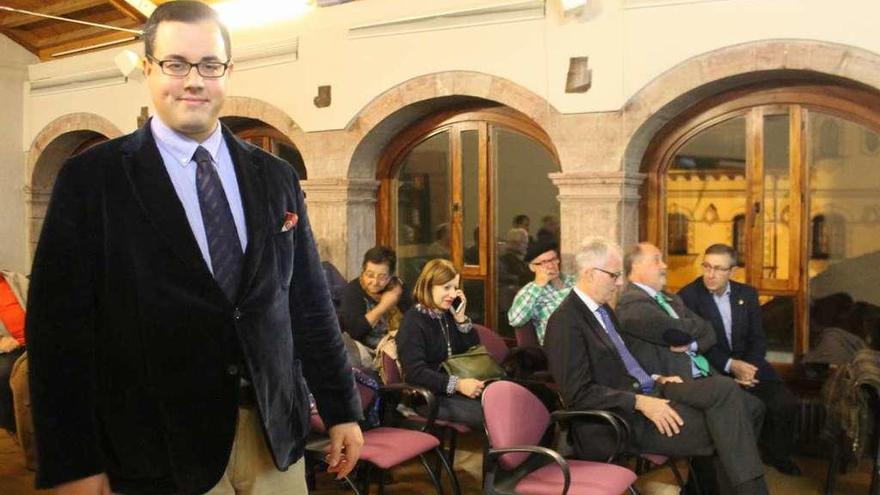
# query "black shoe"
(786, 466)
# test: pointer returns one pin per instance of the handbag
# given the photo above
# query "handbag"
(476, 362)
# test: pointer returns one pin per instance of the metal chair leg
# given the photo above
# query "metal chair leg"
(632, 490)
(832, 468)
(456, 488)
(430, 471)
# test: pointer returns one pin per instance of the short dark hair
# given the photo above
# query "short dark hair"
(633, 254)
(380, 255)
(723, 249)
(519, 219)
(188, 11)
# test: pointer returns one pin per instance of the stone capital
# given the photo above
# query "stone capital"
(339, 190)
(598, 185)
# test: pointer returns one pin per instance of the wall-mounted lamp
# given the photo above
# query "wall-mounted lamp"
(128, 63)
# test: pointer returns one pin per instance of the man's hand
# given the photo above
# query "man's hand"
(663, 380)
(93, 485)
(346, 441)
(469, 387)
(664, 417)
(390, 297)
(743, 372)
(679, 348)
(543, 276)
(8, 344)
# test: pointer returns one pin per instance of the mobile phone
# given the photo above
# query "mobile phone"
(457, 303)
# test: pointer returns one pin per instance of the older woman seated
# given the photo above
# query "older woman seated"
(433, 330)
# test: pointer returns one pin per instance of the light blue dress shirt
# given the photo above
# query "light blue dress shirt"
(177, 153)
(723, 304)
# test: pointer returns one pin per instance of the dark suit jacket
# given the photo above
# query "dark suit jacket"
(135, 351)
(746, 330)
(644, 322)
(589, 371)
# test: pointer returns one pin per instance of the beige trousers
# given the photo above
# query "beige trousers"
(251, 471)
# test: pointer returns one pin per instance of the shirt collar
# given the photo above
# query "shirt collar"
(593, 305)
(651, 292)
(182, 147)
(726, 292)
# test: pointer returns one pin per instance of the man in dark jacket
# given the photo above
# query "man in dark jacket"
(740, 349)
(177, 302)
(595, 370)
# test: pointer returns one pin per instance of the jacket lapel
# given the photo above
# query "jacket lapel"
(593, 325)
(152, 189)
(737, 311)
(251, 184)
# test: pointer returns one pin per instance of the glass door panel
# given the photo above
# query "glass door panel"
(705, 198)
(776, 204)
(843, 223)
(521, 187)
(423, 197)
(471, 207)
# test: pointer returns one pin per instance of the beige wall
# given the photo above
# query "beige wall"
(631, 44)
(13, 74)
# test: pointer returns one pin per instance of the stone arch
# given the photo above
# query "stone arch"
(731, 67)
(412, 100)
(53, 145)
(253, 108)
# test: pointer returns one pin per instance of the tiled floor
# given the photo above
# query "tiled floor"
(411, 479)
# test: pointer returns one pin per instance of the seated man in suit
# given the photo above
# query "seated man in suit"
(740, 349)
(595, 370)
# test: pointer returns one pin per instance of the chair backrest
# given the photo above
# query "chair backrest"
(390, 372)
(493, 343)
(527, 336)
(513, 416)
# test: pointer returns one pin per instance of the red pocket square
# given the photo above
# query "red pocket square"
(290, 220)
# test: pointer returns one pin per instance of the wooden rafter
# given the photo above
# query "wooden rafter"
(137, 10)
(55, 8)
(105, 37)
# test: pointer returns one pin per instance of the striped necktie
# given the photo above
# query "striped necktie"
(224, 246)
(698, 360)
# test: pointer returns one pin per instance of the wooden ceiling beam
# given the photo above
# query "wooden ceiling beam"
(56, 8)
(85, 35)
(45, 53)
(137, 10)
(23, 38)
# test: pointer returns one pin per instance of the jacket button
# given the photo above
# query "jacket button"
(236, 314)
(232, 369)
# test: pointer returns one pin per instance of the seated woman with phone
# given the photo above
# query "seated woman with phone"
(373, 304)
(434, 329)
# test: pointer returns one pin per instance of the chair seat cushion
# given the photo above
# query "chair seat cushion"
(387, 447)
(587, 478)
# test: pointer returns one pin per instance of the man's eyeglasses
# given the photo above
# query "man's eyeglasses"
(712, 268)
(379, 277)
(551, 261)
(613, 275)
(182, 68)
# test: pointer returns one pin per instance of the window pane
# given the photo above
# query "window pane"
(705, 194)
(423, 199)
(523, 187)
(844, 247)
(777, 316)
(470, 193)
(776, 207)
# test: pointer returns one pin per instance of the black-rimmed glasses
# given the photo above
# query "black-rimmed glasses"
(182, 68)
(613, 275)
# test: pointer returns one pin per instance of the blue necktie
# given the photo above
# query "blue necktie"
(635, 370)
(224, 245)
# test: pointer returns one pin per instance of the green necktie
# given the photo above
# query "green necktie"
(699, 360)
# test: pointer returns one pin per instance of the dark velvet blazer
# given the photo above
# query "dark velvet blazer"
(589, 371)
(136, 353)
(747, 332)
(643, 323)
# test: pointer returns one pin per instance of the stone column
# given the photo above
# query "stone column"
(597, 203)
(343, 217)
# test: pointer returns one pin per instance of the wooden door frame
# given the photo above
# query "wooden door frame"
(857, 104)
(481, 118)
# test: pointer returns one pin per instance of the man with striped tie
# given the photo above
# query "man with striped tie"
(177, 301)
